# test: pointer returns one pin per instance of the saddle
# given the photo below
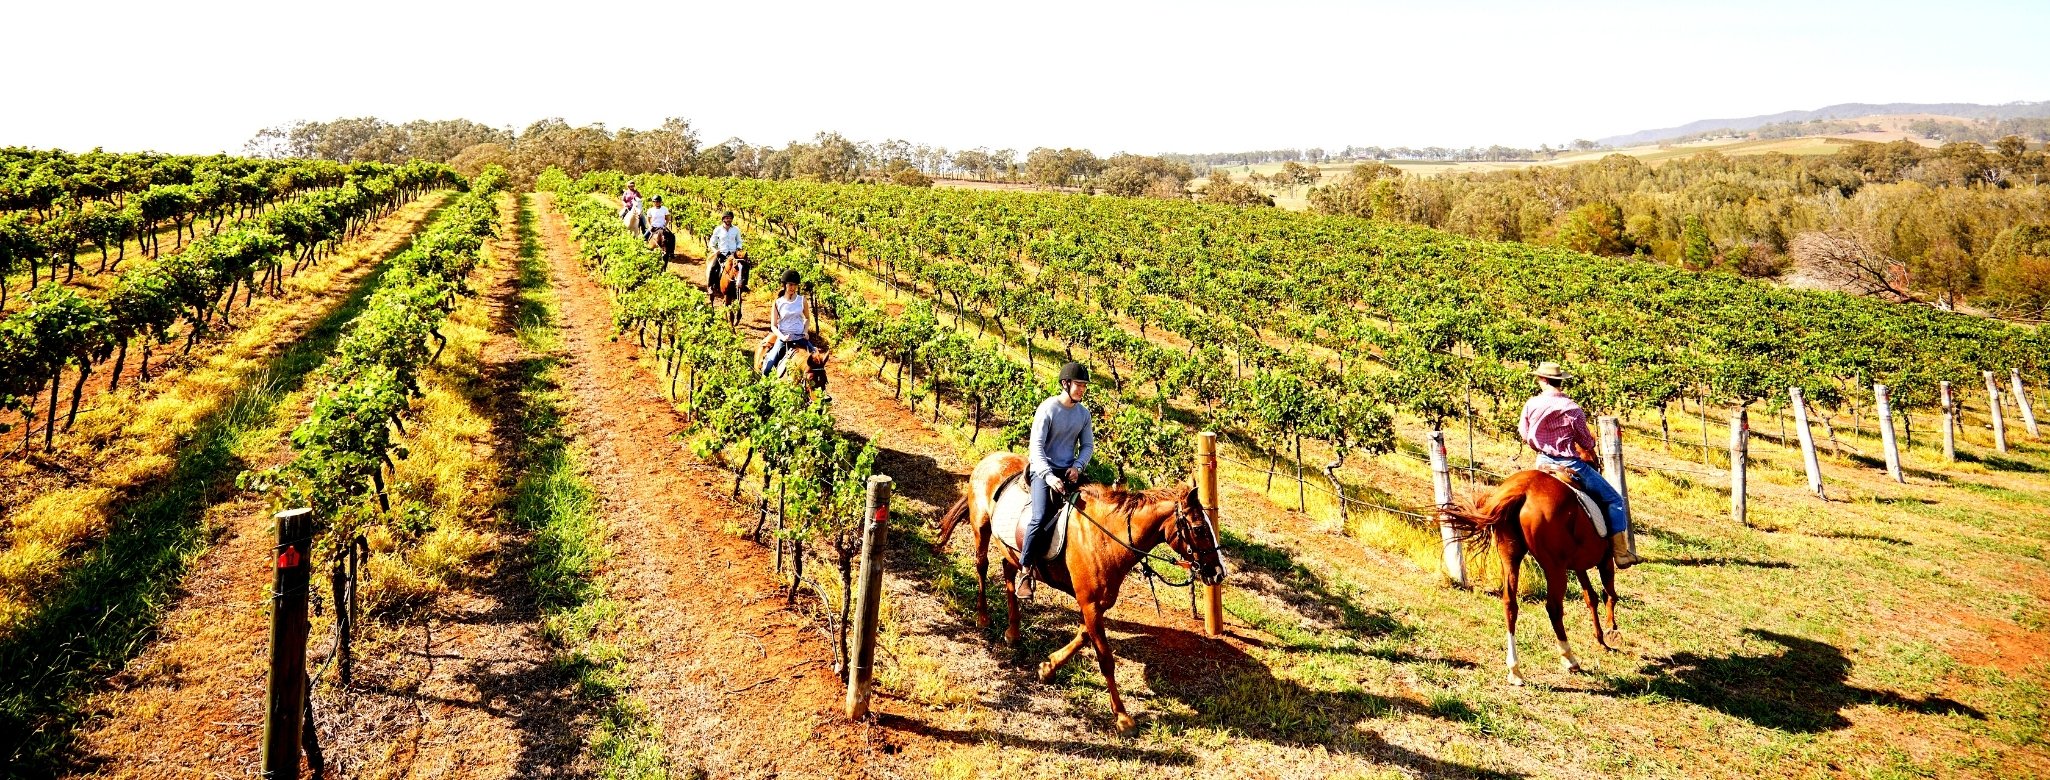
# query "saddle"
(1007, 522)
(1587, 502)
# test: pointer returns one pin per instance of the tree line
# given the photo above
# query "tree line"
(1961, 226)
(675, 147)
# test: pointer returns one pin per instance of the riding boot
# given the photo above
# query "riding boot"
(1619, 543)
(1026, 578)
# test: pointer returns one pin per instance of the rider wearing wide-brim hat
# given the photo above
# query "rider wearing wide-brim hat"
(1063, 439)
(1556, 428)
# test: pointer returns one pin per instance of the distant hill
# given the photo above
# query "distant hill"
(2015, 110)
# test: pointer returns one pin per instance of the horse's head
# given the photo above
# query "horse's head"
(1192, 535)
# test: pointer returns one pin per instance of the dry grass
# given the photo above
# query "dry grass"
(128, 437)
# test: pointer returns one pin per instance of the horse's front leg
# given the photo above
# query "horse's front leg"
(1608, 570)
(1555, 608)
(1593, 611)
(1011, 619)
(1092, 624)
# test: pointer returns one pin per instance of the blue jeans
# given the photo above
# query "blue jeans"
(1038, 528)
(1596, 485)
(783, 350)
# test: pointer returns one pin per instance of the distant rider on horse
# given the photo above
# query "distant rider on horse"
(725, 245)
(1556, 428)
(628, 198)
(1063, 438)
(789, 324)
(657, 231)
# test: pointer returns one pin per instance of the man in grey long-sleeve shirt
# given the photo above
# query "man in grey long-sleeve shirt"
(1062, 440)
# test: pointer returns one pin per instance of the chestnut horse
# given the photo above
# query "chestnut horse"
(1113, 530)
(726, 289)
(1534, 512)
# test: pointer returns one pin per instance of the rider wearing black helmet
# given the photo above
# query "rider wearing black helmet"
(1063, 439)
(725, 244)
(789, 324)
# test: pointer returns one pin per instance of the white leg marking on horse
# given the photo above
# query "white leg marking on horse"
(1566, 655)
(1514, 678)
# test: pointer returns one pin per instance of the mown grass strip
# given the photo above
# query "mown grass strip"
(555, 504)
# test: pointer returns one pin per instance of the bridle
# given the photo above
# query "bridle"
(1185, 527)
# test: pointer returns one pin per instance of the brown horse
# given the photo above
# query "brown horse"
(1113, 531)
(725, 289)
(812, 377)
(1534, 512)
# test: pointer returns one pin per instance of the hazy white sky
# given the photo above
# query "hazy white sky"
(1109, 76)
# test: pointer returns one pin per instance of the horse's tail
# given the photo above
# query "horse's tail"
(1477, 525)
(952, 518)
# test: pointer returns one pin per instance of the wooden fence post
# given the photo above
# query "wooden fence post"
(861, 663)
(1740, 456)
(1993, 408)
(1206, 491)
(2021, 400)
(1612, 468)
(1886, 440)
(285, 703)
(1808, 459)
(1441, 492)
(1949, 424)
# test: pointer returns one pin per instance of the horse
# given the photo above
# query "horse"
(660, 238)
(725, 289)
(1113, 530)
(1535, 512)
(812, 379)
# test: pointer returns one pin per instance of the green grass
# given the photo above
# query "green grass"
(554, 503)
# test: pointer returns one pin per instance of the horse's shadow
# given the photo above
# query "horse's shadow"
(1801, 689)
(1198, 682)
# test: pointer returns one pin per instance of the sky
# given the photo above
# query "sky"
(1146, 77)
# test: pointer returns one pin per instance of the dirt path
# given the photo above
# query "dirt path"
(738, 685)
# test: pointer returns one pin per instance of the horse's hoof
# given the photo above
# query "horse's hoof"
(1126, 724)
(1046, 671)
(1011, 636)
(982, 621)
(1516, 679)
(1573, 669)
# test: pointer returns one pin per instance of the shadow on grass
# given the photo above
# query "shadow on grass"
(1860, 537)
(1800, 689)
(1071, 747)
(1224, 687)
(1720, 560)
(1999, 462)
(106, 609)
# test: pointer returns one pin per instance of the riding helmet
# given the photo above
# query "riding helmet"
(1074, 372)
(658, 199)
(792, 277)
(727, 215)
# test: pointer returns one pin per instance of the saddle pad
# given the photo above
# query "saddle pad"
(1007, 520)
(1594, 511)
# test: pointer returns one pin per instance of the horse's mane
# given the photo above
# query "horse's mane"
(1126, 500)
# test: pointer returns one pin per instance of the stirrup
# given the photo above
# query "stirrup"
(1024, 582)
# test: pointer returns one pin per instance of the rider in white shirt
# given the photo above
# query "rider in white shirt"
(657, 215)
(725, 244)
(789, 323)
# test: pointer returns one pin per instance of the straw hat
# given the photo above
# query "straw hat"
(1552, 371)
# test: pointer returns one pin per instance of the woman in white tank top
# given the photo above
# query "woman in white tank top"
(789, 323)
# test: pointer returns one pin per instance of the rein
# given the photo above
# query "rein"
(1146, 557)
